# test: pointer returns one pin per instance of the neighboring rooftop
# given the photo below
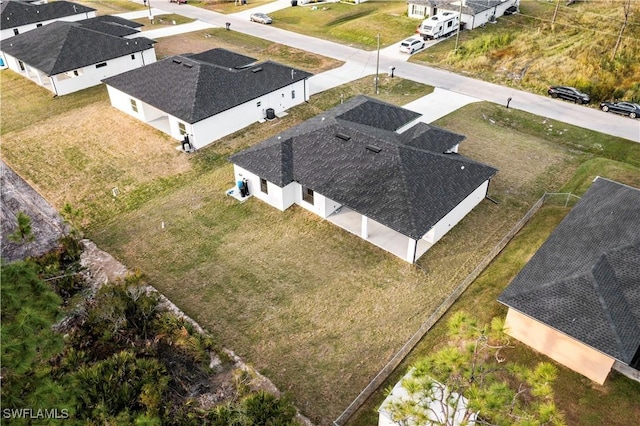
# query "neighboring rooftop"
(193, 87)
(405, 181)
(585, 279)
(65, 46)
(113, 25)
(15, 13)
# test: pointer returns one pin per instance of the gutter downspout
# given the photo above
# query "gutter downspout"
(53, 83)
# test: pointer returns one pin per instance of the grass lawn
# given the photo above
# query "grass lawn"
(161, 21)
(354, 25)
(228, 6)
(112, 7)
(318, 310)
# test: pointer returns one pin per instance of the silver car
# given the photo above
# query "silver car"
(260, 17)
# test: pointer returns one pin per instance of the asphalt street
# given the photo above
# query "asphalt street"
(360, 63)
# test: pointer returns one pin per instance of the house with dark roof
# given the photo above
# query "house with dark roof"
(199, 98)
(65, 57)
(578, 299)
(475, 13)
(371, 168)
(18, 16)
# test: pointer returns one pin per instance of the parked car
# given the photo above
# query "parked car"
(569, 93)
(411, 45)
(260, 17)
(624, 108)
(511, 10)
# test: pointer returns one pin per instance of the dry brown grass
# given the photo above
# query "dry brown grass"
(78, 156)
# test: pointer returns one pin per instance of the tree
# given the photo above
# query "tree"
(472, 376)
(23, 232)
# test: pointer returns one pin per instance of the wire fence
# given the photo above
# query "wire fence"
(552, 198)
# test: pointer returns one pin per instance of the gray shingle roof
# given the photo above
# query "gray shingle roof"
(113, 25)
(17, 13)
(404, 187)
(585, 279)
(64, 46)
(195, 87)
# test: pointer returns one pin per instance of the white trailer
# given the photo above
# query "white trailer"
(440, 25)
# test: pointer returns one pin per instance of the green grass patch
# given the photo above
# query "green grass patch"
(112, 7)
(24, 103)
(228, 6)
(353, 24)
(161, 21)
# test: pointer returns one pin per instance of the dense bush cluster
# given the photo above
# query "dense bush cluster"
(117, 358)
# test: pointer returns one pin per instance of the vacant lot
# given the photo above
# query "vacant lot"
(355, 25)
(297, 297)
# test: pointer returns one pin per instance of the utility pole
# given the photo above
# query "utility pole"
(378, 64)
(455, 49)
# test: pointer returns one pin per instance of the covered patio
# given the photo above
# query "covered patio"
(379, 235)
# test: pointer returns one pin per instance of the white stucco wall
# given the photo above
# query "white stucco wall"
(213, 128)
(278, 197)
(220, 125)
(457, 214)
(6, 33)
(92, 76)
(65, 83)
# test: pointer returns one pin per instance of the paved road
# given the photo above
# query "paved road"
(361, 63)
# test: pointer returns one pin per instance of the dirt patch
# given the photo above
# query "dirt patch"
(47, 225)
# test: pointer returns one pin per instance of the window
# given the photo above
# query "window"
(293, 94)
(307, 194)
(15, 31)
(134, 105)
(76, 73)
(263, 186)
(258, 104)
(104, 64)
(21, 64)
(133, 56)
(183, 128)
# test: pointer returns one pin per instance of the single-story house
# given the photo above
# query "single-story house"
(65, 57)
(373, 169)
(202, 97)
(440, 406)
(578, 299)
(19, 16)
(113, 25)
(475, 13)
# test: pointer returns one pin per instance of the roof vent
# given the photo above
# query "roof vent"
(177, 61)
(343, 136)
(373, 148)
(187, 65)
(257, 69)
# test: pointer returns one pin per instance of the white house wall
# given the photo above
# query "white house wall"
(65, 83)
(276, 196)
(8, 32)
(457, 214)
(213, 128)
(92, 76)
